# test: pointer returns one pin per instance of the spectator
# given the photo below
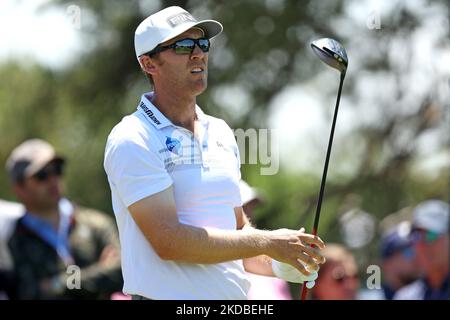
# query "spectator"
(261, 287)
(398, 259)
(338, 277)
(54, 234)
(431, 243)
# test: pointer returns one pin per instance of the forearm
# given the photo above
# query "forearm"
(261, 265)
(207, 245)
(158, 221)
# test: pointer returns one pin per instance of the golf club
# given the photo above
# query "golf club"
(333, 54)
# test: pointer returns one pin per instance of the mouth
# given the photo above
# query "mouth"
(197, 70)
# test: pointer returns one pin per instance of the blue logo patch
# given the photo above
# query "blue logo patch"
(173, 145)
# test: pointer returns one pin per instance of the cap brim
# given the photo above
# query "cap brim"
(211, 28)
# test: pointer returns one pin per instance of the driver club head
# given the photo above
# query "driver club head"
(332, 53)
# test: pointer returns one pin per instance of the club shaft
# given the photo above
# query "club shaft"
(325, 171)
(327, 159)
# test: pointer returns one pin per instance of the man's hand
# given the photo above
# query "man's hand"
(294, 248)
(289, 273)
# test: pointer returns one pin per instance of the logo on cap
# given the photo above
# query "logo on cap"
(180, 19)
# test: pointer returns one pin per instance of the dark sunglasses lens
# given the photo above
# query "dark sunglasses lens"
(203, 44)
(408, 253)
(58, 169)
(340, 278)
(185, 46)
(41, 175)
(431, 236)
(425, 236)
(55, 169)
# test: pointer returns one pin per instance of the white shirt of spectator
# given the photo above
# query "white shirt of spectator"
(10, 212)
(145, 154)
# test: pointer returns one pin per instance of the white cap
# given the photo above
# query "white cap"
(29, 157)
(167, 24)
(432, 215)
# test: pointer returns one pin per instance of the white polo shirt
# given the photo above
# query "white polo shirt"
(145, 154)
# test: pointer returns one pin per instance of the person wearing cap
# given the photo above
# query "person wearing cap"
(174, 177)
(54, 238)
(399, 267)
(431, 242)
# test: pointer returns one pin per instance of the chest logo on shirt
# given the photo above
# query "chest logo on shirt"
(174, 145)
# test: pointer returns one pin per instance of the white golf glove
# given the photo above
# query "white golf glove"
(288, 273)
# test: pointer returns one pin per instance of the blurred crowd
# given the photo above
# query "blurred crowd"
(52, 248)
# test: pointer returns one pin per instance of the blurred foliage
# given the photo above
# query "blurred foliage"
(264, 48)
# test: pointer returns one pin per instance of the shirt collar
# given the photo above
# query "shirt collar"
(158, 119)
(201, 116)
(151, 113)
(66, 211)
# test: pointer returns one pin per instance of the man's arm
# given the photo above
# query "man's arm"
(157, 218)
(103, 276)
(261, 264)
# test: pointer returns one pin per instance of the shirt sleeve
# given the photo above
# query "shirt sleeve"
(135, 169)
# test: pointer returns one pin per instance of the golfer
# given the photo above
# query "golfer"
(174, 178)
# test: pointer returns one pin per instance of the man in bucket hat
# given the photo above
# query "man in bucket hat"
(174, 177)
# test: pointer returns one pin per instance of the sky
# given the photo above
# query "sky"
(53, 38)
(50, 37)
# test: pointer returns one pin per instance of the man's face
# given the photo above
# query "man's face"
(336, 282)
(43, 190)
(187, 73)
(432, 251)
(400, 268)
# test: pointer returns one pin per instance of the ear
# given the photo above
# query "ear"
(148, 64)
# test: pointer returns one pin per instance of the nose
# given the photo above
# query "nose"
(197, 53)
(53, 179)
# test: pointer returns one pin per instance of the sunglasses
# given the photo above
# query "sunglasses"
(408, 253)
(339, 275)
(184, 46)
(53, 169)
(342, 278)
(426, 236)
